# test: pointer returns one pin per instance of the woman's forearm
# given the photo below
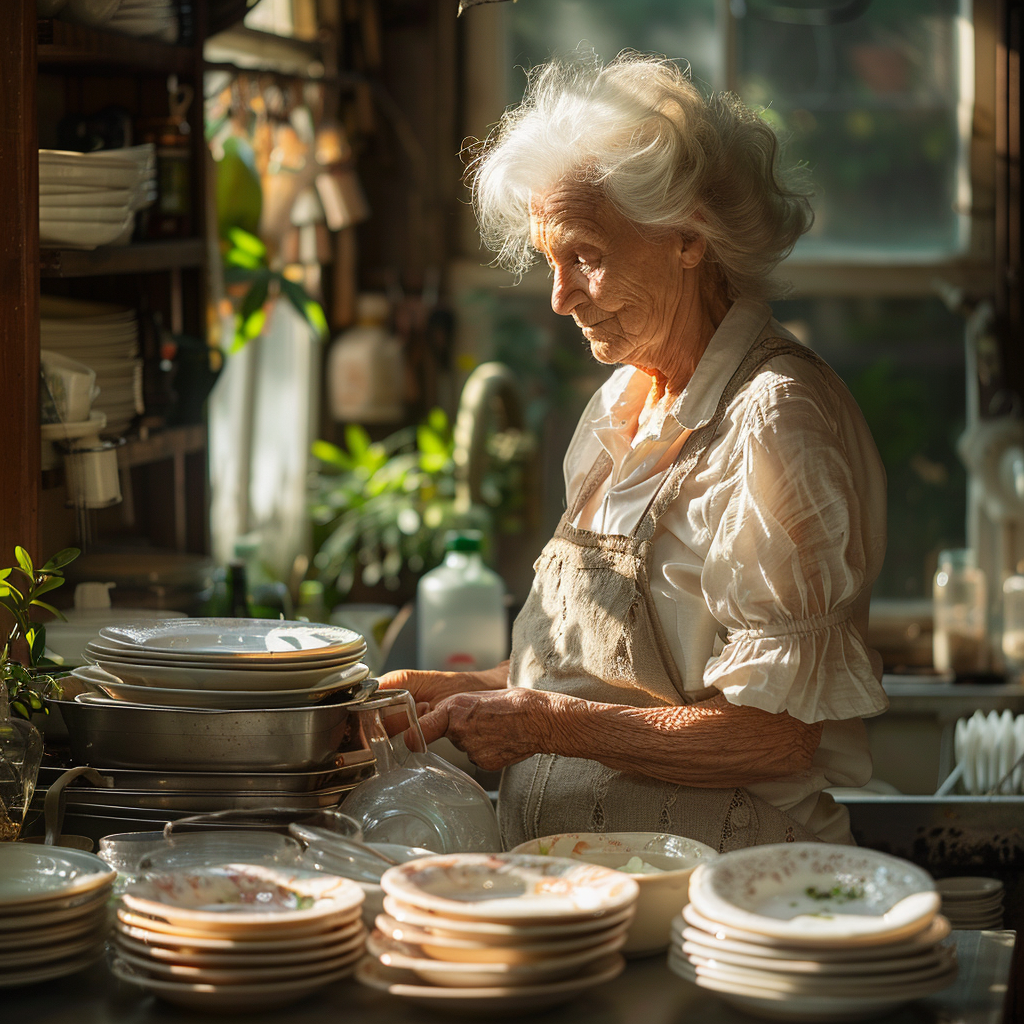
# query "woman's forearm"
(713, 744)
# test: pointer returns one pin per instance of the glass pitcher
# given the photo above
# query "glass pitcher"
(417, 798)
(21, 751)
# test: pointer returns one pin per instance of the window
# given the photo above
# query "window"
(879, 101)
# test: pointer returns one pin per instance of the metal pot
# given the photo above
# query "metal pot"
(188, 739)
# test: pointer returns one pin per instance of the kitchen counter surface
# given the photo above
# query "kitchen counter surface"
(646, 992)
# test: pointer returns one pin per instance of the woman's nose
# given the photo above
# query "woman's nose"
(564, 291)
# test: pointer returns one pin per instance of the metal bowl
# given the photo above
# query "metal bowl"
(193, 740)
(90, 800)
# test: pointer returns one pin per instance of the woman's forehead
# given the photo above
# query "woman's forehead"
(570, 212)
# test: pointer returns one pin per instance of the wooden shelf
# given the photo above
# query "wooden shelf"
(64, 44)
(160, 445)
(139, 258)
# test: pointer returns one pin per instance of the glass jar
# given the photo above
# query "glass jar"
(959, 643)
(1013, 622)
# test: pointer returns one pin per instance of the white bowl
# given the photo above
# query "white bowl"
(816, 893)
(661, 895)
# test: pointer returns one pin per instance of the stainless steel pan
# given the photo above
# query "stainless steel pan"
(185, 739)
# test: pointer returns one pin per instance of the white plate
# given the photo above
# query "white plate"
(85, 916)
(447, 947)
(499, 933)
(155, 931)
(817, 968)
(491, 1001)
(462, 974)
(30, 875)
(14, 960)
(163, 696)
(105, 197)
(84, 214)
(203, 677)
(230, 998)
(53, 934)
(807, 984)
(509, 887)
(969, 887)
(78, 234)
(47, 972)
(101, 177)
(88, 898)
(235, 897)
(354, 936)
(923, 942)
(815, 892)
(779, 1006)
(241, 975)
(237, 638)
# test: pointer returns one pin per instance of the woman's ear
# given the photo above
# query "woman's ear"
(691, 250)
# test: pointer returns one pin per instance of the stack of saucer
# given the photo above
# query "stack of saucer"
(498, 932)
(972, 903)
(237, 937)
(53, 911)
(90, 199)
(810, 931)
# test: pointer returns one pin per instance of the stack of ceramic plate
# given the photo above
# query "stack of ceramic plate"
(811, 931)
(106, 338)
(972, 903)
(156, 18)
(226, 663)
(501, 932)
(90, 199)
(237, 937)
(54, 916)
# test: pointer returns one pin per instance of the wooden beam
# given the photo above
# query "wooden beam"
(19, 283)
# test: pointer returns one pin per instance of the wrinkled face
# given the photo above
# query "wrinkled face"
(629, 294)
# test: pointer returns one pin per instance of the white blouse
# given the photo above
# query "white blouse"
(761, 570)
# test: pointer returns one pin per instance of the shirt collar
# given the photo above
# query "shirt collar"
(729, 344)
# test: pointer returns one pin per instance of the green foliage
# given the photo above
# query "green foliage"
(26, 685)
(245, 262)
(383, 507)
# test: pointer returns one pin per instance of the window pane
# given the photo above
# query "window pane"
(903, 361)
(539, 29)
(871, 106)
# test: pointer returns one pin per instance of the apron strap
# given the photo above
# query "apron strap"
(763, 350)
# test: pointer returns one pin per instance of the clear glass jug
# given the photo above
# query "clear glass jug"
(417, 798)
(21, 751)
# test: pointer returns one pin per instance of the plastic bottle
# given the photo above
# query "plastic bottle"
(365, 368)
(460, 607)
(959, 641)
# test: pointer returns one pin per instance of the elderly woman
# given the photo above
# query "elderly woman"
(691, 655)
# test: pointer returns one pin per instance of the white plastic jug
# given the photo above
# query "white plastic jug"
(460, 608)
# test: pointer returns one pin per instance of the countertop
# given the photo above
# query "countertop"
(646, 992)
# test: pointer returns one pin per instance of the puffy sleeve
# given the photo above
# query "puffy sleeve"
(796, 544)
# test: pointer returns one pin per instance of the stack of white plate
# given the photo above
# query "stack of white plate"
(54, 917)
(498, 933)
(106, 338)
(223, 663)
(156, 18)
(973, 904)
(987, 748)
(237, 937)
(90, 199)
(811, 931)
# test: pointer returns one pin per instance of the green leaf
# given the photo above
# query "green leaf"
(429, 442)
(47, 607)
(305, 306)
(36, 638)
(63, 557)
(241, 258)
(4, 573)
(247, 242)
(331, 454)
(437, 420)
(357, 440)
(24, 560)
(48, 584)
(20, 710)
(254, 299)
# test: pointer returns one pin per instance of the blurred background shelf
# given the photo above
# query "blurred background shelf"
(63, 43)
(139, 258)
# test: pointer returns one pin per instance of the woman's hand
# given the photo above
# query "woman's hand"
(495, 728)
(430, 688)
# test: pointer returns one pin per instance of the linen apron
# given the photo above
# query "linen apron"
(590, 629)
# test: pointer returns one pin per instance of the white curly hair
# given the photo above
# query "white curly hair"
(661, 153)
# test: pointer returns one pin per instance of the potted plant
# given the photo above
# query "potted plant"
(25, 679)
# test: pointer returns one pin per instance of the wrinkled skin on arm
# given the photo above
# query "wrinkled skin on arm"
(713, 744)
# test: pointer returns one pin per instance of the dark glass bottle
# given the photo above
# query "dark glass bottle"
(238, 592)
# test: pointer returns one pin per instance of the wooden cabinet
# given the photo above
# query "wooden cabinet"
(48, 68)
